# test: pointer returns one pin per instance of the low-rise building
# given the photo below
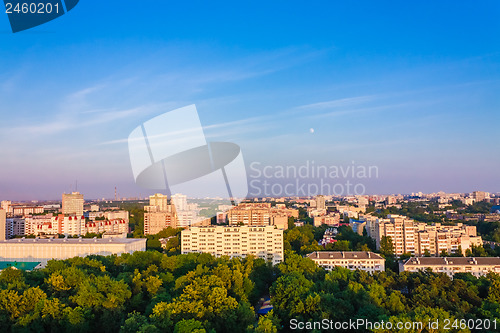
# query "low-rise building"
(43, 250)
(477, 266)
(366, 261)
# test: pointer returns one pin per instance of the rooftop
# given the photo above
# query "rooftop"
(344, 255)
(72, 240)
(441, 261)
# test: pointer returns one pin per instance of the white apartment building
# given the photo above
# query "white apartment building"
(43, 250)
(179, 201)
(365, 261)
(478, 266)
(263, 241)
(417, 238)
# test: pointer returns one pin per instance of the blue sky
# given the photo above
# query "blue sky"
(412, 88)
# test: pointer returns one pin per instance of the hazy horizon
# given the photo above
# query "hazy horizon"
(406, 87)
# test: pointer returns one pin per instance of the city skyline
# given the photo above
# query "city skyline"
(409, 89)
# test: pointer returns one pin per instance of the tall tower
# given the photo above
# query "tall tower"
(72, 204)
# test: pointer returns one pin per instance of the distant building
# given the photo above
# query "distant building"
(117, 215)
(72, 204)
(478, 266)
(365, 261)
(26, 210)
(3, 217)
(179, 201)
(331, 220)
(264, 242)
(6, 205)
(480, 195)
(43, 250)
(159, 215)
(15, 227)
(160, 201)
(221, 217)
(320, 202)
(110, 226)
(261, 213)
(357, 226)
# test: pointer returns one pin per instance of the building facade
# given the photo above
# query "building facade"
(420, 239)
(479, 266)
(260, 214)
(366, 261)
(72, 203)
(26, 210)
(159, 215)
(263, 241)
(43, 250)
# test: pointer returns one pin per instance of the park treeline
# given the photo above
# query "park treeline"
(153, 291)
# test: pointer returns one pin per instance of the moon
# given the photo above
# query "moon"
(311, 130)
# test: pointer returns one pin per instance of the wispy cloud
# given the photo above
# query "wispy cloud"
(343, 102)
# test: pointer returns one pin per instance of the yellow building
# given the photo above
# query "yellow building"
(159, 215)
(419, 238)
(72, 204)
(261, 214)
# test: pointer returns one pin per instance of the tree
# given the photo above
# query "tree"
(189, 326)
(267, 324)
(386, 246)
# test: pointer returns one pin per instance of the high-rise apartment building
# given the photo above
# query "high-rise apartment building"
(159, 215)
(480, 195)
(72, 204)
(419, 239)
(179, 201)
(160, 201)
(320, 202)
(264, 242)
(260, 214)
